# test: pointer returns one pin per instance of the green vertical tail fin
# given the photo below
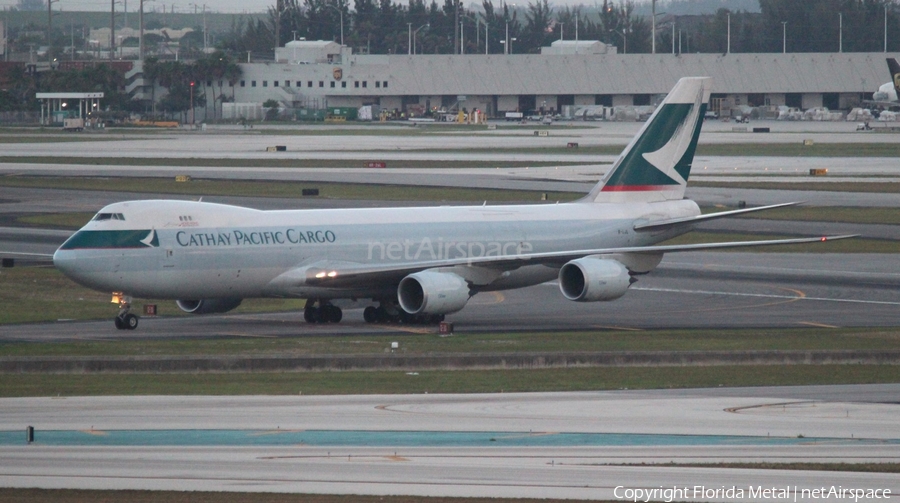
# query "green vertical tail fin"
(656, 165)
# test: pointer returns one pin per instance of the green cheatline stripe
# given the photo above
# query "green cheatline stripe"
(110, 239)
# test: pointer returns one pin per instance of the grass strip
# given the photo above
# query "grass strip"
(779, 339)
(10, 495)
(442, 381)
(798, 149)
(816, 467)
(862, 187)
(253, 188)
(834, 214)
(41, 294)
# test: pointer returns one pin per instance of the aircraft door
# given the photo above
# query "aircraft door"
(168, 258)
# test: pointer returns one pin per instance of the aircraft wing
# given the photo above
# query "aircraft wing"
(672, 222)
(30, 256)
(340, 275)
(881, 103)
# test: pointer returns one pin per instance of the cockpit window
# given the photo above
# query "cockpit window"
(108, 216)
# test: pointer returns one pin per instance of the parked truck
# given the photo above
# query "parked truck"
(73, 124)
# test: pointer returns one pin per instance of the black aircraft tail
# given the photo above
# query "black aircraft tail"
(894, 67)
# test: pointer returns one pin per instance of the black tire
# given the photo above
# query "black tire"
(369, 314)
(130, 321)
(312, 315)
(119, 323)
(381, 315)
(332, 314)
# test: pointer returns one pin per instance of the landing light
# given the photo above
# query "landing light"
(332, 274)
(320, 275)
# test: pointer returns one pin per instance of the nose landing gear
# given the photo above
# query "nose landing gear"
(125, 320)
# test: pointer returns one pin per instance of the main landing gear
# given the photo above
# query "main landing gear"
(322, 312)
(390, 313)
(125, 320)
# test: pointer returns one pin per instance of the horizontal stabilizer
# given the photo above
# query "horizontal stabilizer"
(672, 222)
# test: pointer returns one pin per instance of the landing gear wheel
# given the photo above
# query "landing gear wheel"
(369, 314)
(317, 311)
(311, 314)
(124, 320)
(331, 313)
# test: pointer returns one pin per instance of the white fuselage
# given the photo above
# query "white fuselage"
(190, 250)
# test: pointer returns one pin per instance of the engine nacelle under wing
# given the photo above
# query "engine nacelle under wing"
(591, 279)
(208, 306)
(432, 292)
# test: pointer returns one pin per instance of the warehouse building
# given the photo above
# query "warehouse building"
(322, 74)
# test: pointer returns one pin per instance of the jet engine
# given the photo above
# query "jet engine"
(208, 306)
(591, 279)
(432, 292)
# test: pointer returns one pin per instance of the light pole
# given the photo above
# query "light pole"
(192, 104)
(112, 30)
(409, 42)
(885, 27)
(49, 28)
(784, 37)
(506, 45)
(206, 45)
(416, 32)
(840, 32)
(624, 40)
(341, 13)
(728, 44)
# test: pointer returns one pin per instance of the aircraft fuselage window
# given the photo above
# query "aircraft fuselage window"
(108, 216)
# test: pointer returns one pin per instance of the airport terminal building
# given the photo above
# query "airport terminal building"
(323, 74)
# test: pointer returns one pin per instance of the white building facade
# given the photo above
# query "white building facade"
(318, 75)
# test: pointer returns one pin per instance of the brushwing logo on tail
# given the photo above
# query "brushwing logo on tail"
(670, 157)
(661, 158)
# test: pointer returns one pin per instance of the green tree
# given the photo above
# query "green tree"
(538, 30)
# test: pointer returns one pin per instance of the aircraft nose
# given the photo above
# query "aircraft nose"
(62, 260)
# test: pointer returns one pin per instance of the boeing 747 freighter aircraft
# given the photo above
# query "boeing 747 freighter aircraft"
(416, 264)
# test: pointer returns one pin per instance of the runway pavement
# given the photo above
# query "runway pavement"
(842, 422)
(689, 290)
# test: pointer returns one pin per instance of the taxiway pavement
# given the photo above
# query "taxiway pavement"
(843, 423)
